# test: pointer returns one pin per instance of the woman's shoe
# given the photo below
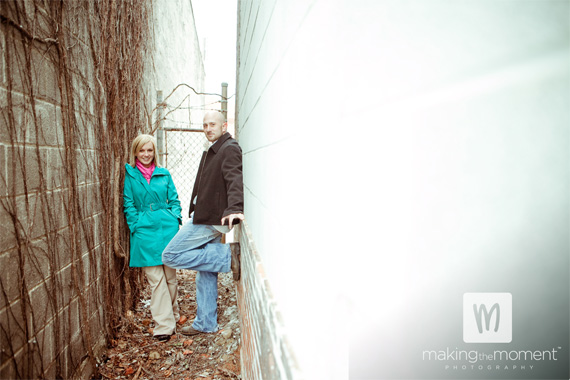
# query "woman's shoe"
(163, 337)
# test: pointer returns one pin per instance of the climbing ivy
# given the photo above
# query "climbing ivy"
(72, 98)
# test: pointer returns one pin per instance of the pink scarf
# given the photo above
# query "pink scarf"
(146, 172)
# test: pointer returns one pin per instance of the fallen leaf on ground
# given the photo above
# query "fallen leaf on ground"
(182, 354)
(154, 355)
(129, 371)
(230, 367)
(182, 319)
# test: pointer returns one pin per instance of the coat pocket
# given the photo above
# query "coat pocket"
(170, 213)
(144, 221)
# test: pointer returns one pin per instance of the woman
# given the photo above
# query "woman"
(152, 209)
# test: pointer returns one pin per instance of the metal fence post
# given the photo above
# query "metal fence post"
(189, 112)
(160, 129)
(225, 99)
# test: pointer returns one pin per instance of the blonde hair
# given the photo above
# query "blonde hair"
(137, 144)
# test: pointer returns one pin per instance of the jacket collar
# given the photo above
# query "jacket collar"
(135, 173)
(137, 176)
(218, 144)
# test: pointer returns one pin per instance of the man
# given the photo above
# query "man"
(216, 206)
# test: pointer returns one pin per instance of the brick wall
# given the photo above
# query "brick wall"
(265, 351)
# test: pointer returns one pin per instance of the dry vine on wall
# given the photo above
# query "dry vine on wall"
(72, 98)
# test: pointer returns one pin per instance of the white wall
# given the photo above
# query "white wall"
(287, 51)
(398, 154)
(177, 59)
(468, 132)
(177, 65)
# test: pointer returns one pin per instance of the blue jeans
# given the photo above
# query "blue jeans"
(198, 247)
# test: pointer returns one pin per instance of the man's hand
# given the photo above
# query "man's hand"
(230, 218)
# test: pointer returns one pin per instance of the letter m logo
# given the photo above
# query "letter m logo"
(487, 317)
(482, 311)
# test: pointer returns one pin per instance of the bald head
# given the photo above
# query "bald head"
(215, 114)
(215, 125)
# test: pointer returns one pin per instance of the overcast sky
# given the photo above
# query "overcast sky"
(216, 22)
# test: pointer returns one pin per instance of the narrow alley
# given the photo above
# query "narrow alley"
(134, 354)
(400, 171)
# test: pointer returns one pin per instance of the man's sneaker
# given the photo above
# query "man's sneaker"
(236, 267)
(188, 330)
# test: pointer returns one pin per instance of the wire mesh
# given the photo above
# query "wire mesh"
(183, 152)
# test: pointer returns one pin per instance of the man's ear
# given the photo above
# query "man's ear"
(225, 126)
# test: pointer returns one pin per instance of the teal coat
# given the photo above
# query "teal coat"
(153, 214)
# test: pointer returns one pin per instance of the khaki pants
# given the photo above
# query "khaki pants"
(163, 304)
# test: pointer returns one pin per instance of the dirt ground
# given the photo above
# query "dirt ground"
(135, 354)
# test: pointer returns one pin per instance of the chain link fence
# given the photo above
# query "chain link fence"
(180, 137)
(182, 158)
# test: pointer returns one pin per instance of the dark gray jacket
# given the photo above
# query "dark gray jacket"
(219, 183)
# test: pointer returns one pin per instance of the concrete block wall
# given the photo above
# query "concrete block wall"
(398, 154)
(54, 223)
(52, 312)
